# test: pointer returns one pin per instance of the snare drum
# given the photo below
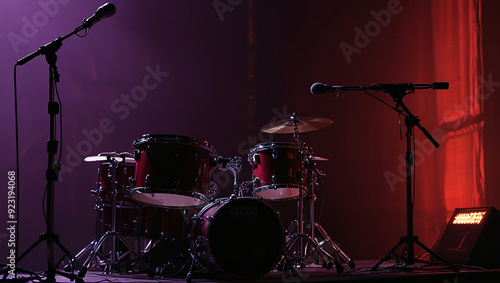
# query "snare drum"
(277, 169)
(238, 237)
(172, 171)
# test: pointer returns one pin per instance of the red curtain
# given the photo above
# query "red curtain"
(457, 44)
(458, 167)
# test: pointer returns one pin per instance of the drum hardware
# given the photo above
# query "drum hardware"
(317, 247)
(294, 126)
(199, 246)
(115, 261)
(233, 165)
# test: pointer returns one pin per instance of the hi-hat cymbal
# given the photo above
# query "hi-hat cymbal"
(103, 156)
(287, 126)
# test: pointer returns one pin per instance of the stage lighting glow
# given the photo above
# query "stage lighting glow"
(469, 217)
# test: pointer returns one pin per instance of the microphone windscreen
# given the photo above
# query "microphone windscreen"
(440, 85)
(108, 10)
(320, 88)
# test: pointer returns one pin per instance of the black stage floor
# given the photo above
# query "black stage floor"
(387, 272)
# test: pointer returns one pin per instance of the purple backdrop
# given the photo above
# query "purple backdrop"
(180, 67)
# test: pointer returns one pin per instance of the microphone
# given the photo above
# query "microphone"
(321, 88)
(105, 11)
(440, 85)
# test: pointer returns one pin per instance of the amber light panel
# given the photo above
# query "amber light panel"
(469, 217)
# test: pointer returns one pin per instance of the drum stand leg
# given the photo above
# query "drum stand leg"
(315, 247)
(303, 239)
(199, 247)
(91, 246)
(113, 261)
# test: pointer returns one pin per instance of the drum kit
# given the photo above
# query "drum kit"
(240, 236)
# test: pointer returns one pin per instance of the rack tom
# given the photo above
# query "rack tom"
(172, 171)
(277, 171)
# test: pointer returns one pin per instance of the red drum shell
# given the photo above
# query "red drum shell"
(172, 171)
(277, 171)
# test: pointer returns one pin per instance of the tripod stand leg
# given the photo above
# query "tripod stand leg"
(40, 239)
(289, 244)
(334, 246)
(386, 257)
(72, 260)
(89, 247)
(288, 266)
(141, 261)
(97, 246)
(453, 267)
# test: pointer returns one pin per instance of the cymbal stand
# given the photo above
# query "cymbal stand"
(301, 237)
(114, 261)
(314, 225)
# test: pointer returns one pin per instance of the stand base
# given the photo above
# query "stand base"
(308, 247)
(51, 239)
(409, 240)
(111, 265)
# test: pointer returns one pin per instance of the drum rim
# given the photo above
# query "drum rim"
(268, 145)
(161, 138)
(148, 190)
(277, 186)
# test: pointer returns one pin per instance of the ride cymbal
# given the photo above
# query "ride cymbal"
(287, 126)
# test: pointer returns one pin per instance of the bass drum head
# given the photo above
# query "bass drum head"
(245, 237)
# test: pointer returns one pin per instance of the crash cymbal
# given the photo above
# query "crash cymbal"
(103, 156)
(287, 126)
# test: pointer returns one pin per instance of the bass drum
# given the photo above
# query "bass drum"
(238, 237)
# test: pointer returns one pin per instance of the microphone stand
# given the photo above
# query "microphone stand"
(397, 93)
(52, 172)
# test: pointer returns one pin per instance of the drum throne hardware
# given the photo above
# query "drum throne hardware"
(307, 245)
(115, 262)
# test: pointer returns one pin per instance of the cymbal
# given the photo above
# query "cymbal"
(317, 158)
(103, 156)
(287, 126)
